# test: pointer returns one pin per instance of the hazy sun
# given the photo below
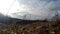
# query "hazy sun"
(5, 6)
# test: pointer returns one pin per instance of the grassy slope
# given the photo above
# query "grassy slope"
(33, 28)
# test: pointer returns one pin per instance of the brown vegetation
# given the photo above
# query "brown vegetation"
(33, 28)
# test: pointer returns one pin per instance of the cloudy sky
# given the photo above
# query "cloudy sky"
(30, 9)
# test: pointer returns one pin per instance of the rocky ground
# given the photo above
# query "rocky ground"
(33, 28)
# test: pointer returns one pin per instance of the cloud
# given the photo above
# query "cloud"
(37, 10)
(34, 9)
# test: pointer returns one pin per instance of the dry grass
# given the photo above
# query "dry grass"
(33, 28)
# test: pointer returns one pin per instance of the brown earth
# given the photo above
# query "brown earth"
(33, 28)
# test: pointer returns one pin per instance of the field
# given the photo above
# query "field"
(32, 28)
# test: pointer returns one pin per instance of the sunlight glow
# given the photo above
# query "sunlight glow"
(4, 6)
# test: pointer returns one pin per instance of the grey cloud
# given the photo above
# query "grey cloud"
(42, 10)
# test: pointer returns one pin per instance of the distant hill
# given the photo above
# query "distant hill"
(4, 19)
(9, 20)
